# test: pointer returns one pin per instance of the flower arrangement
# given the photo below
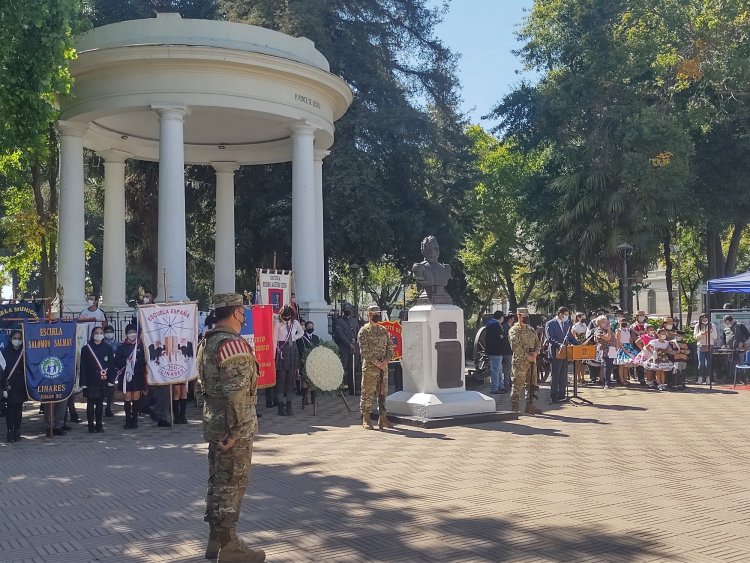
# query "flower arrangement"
(323, 369)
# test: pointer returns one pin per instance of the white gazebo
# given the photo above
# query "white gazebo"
(182, 91)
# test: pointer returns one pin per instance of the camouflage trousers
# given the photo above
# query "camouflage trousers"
(228, 473)
(521, 373)
(374, 382)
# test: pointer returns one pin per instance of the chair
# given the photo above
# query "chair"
(744, 366)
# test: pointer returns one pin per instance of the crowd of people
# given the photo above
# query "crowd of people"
(652, 352)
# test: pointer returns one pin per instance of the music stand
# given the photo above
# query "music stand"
(576, 352)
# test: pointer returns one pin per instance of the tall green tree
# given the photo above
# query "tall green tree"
(36, 47)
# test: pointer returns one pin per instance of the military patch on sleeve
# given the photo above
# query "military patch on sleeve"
(234, 349)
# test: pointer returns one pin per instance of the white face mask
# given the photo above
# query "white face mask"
(641, 319)
(131, 336)
(98, 337)
(565, 317)
(146, 300)
(109, 335)
(668, 327)
(16, 343)
(90, 302)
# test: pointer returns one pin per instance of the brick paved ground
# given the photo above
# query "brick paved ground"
(640, 476)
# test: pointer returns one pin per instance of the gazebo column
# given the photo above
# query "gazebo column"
(320, 270)
(71, 237)
(114, 251)
(172, 253)
(224, 270)
(307, 241)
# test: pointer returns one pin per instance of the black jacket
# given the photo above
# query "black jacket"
(96, 388)
(493, 335)
(14, 380)
(304, 344)
(505, 342)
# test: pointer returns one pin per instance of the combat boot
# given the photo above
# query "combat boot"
(289, 411)
(366, 424)
(237, 551)
(214, 545)
(383, 421)
(282, 409)
(514, 406)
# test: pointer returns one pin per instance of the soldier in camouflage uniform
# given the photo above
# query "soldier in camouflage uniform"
(525, 345)
(377, 351)
(229, 375)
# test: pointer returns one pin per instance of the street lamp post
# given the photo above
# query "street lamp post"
(626, 251)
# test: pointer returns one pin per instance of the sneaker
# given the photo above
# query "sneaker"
(662, 387)
(700, 381)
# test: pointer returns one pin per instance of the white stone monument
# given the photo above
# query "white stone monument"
(433, 351)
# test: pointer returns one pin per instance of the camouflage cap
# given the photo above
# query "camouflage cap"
(373, 309)
(522, 311)
(221, 300)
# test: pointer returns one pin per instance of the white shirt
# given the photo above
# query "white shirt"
(703, 339)
(579, 328)
(99, 319)
(282, 330)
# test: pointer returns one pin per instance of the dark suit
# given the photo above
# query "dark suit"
(557, 334)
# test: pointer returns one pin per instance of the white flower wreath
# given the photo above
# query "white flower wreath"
(324, 369)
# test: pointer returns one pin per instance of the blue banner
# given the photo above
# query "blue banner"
(12, 316)
(50, 355)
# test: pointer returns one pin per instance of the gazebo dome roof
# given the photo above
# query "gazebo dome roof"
(172, 29)
(243, 88)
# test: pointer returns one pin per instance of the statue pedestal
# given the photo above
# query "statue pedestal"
(434, 367)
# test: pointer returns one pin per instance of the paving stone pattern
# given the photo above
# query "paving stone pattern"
(639, 476)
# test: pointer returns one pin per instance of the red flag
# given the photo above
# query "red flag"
(394, 331)
(265, 347)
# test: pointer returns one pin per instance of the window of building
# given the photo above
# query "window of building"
(651, 302)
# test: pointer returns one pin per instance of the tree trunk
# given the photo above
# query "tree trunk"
(511, 287)
(734, 245)
(668, 274)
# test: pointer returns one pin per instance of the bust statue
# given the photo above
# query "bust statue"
(432, 276)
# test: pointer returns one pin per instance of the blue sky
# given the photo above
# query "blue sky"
(481, 31)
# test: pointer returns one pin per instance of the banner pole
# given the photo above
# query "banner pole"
(171, 408)
(51, 433)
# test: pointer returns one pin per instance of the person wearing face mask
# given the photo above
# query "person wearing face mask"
(345, 336)
(288, 331)
(734, 335)
(558, 333)
(626, 351)
(92, 315)
(706, 336)
(13, 385)
(130, 363)
(606, 350)
(308, 341)
(659, 362)
(526, 346)
(228, 373)
(97, 375)
(377, 351)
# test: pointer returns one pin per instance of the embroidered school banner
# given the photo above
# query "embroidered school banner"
(50, 356)
(258, 331)
(169, 334)
(12, 316)
(394, 331)
(275, 288)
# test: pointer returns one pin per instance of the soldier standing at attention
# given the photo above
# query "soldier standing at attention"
(525, 345)
(229, 375)
(377, 351)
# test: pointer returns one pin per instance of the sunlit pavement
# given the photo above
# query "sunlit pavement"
(639, 476)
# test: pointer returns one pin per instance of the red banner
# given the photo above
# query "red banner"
(265, 347)
(394, 331)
